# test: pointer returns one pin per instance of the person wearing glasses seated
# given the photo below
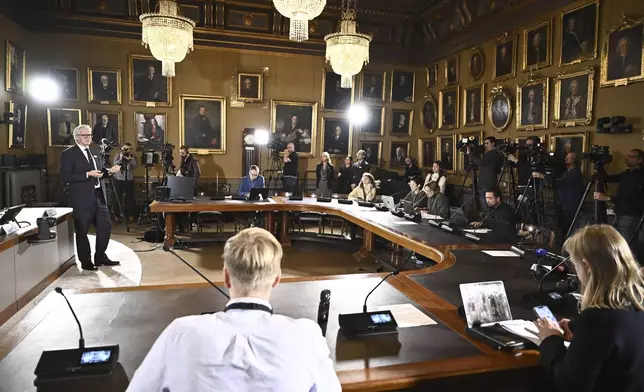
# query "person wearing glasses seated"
(416, 199)
(437, 202)
(606, 351)
(252, 180)
(366, 189)
(499, 217)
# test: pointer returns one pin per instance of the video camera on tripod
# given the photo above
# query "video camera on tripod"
(276, 145)
(598, 155)
(471, 142)
(106, 147)
(166, 155)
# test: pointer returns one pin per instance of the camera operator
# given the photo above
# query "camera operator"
(629, 200)
(526, 163)
(490, 165)
(189, 165)
(124, 183)
(289, 172)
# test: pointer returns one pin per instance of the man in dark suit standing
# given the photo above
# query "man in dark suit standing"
(86, 195)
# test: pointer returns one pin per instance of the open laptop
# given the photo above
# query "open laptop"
(256, 192)
(389, 202)
(181, 188)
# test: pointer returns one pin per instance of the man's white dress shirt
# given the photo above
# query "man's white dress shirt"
(93, 162)
(238, 350)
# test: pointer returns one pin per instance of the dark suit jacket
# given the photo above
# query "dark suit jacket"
(101, 94)
(330, 175)
(73, 170)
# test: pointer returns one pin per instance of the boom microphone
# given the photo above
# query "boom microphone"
(81, 341)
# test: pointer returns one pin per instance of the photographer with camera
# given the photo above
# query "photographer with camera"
(629, 200)
(528, 163)
(289, 172)
(189, 165)
(125, 180)
(490, 166)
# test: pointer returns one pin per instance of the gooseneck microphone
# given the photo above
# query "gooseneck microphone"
(395, 272)
(81, 341)
(549, 255)
(323, 309)
(461, 207)
(167, 249)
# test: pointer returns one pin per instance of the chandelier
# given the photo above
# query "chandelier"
(300, 12)
(168, 35)
(347, 50)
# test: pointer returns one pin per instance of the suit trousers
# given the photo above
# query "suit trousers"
(99, 216)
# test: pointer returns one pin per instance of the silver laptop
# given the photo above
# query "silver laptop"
(485, 303)
(388, 202)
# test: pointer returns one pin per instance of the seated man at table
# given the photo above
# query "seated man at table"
(416, 199)
(246, 347)
(499, 217)
(437, 202)
(252, 180)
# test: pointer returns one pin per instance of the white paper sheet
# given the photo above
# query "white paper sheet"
(500, 253)
(407, 315)
(405, 223)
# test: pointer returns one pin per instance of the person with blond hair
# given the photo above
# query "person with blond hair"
(606, 351)
(366, 189)
(246, 347)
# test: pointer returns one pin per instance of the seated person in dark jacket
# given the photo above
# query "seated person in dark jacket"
(411, 169)
(437, 202)
(606, 351)
(416, 197)
(252, 180)
(499, 217)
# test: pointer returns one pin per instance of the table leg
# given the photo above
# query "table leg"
(364, 253)
(270, 224)
(285, 238)
(169, 229)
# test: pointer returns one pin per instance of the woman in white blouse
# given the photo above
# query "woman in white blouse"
(438, 176)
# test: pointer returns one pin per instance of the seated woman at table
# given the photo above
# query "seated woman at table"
(366, 189)
(606, 351)
(416, 197)
(437, 202)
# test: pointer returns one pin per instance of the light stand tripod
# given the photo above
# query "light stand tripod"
(105, 158)
(598, 180)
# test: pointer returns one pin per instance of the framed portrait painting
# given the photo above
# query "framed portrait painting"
(295, 122)
(579, 34)
(373, 149)
(429, 114)
(623, 53)
(504, 58)
(147, 86)
(448, 108)
(60, 126)
(537, 46)
(104, 86)
(250, 87)
(574, 98)
(446, 150)
(432, 75)
(477, 64)
(402, 86)
(336, 137)
(67, 80)
(15, 68)
(334, 97)
(150, 130)
(451, 71)
(202, 122)
(372, 86)
(426, 151)
(398, 151)
(532, 104)
(473, 107)
(401, 122)
(375, 124)
(18, 126)
(106, 125)
(499, 108)
(563, 143)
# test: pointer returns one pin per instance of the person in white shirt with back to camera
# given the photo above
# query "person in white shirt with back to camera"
(246, 347)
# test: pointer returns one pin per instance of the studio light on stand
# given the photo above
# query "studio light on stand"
(261, 140)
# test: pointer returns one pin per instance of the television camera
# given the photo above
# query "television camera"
(471, 142)
(276, 145)
(166, 156)
(599, 155)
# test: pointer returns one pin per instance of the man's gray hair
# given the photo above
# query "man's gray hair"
(77, 130)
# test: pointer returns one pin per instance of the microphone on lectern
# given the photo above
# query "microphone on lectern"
(395, 272)
(81, 341)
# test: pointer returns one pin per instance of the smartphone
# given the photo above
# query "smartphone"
(544, 312)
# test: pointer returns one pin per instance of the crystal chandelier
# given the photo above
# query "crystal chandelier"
(347, 50)
(168, 35)
(300, 12)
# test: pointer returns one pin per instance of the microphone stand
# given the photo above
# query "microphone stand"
(396, 272)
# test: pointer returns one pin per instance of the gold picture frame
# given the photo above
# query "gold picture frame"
(11, 126)
(396, 97)
(524, 120)
(503, 71)
(349, 140)
(20, 53)
(476, 73)
(443, 118)
(573, 104)
(429, 114)
(618, 70)
(369, 159)
(380, 111)
(449, 63)
(446, 145)
(559, 143)
(145, 142)
(52, 114)
(383, 79)
(463, 157)
(91, 82)
(330, 104)
(289, 109)
(468, 121)
(247, 94)
(575, 39)
(119, 123)
(531, 59)
(499, 108)
(394, 162)
(421, 151)
(55, 72)
(188, 104)
(134, 96)
(431, 75)
(395, 114)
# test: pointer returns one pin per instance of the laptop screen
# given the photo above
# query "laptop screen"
(407, 207)
(485, 303)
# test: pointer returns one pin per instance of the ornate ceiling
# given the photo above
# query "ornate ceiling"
(406, 29)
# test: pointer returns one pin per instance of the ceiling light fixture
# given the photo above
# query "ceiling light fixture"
(300, 12)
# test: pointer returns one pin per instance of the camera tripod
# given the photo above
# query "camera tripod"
(471, 169)
(536, 204)
(508, 168)
(276, 164)
(146, 207)
(105, 158)
(599, 182)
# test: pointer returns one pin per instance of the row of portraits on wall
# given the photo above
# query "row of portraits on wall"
(573, 104)
(622, 51)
